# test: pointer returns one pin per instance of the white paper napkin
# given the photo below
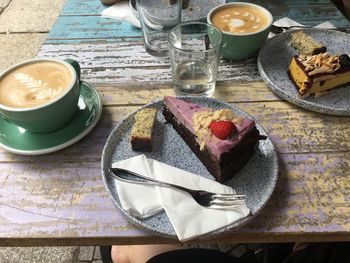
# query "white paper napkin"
(121, 11)
(286, 22)
(189, 219)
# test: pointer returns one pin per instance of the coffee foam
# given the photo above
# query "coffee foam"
(240, 19)
(34, 84)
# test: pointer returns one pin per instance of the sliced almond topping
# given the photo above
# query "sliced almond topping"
(201, 121)
(320, 63)
(309, 68)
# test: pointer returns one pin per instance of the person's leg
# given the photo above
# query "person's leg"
(139, 253)
(202, 255)
(105, 252)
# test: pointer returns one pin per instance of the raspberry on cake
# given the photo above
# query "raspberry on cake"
(222, 141)
(141, 133)
(319, 73)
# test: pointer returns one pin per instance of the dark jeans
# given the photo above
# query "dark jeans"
(272, 253)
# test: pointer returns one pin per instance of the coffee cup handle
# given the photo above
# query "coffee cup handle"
(75, 65)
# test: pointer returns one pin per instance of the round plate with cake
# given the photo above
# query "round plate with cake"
(274, 62)
(256, 178)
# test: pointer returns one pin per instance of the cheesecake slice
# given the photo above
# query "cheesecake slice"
(222, 141)
(319, 73)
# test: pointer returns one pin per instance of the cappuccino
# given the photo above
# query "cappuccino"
(34, 84)
(240, 19)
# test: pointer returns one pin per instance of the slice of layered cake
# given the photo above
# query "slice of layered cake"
(306, 45)
(222, 141)
(142, 130)
(316, 74)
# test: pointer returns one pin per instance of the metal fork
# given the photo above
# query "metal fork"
(280, 29)
(203, 198)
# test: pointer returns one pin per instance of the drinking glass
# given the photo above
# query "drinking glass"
(157, 17)
(194, 57)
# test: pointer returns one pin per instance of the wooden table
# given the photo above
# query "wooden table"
(60, 199)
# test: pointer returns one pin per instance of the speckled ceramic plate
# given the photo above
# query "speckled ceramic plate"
(256, 180)
(273, 62)
(20, 141)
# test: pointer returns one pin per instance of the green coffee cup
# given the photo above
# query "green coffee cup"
(40, 95)
(241, 45)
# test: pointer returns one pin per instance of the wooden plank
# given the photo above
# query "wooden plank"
(292, 130)
(94, 41)
(94, 7)
(310, 12)
(153, 75)
(83, 7)
(234, 92)
(311, 195)
(295, 130)
(93, 27)
(59, 203)
(104, 55)
(57, 200)
(118, 63)
(117, 55)
(81, 19)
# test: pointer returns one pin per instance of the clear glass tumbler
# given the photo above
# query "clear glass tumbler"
(157, 17)
(194, 56)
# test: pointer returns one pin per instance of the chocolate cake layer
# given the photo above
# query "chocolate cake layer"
(141, 144)
(230, 162)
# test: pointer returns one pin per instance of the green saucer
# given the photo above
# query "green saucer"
(20, 141)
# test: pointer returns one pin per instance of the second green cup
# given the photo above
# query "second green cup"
(245, 28)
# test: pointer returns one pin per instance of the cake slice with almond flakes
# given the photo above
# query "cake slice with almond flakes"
(313, 71)
(319, 73)
(222, 141)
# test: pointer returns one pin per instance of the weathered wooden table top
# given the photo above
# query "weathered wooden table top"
(60, 199)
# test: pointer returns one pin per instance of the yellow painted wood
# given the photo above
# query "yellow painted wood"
(310, 203)
(296, 130)
(145, 93)
(312, 190)
(292, 130)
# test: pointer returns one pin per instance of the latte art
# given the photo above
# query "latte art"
(34, 84)
(240, 19)
(37, 89)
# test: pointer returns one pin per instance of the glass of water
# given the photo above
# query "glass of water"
(194, 56)
(157, 17)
